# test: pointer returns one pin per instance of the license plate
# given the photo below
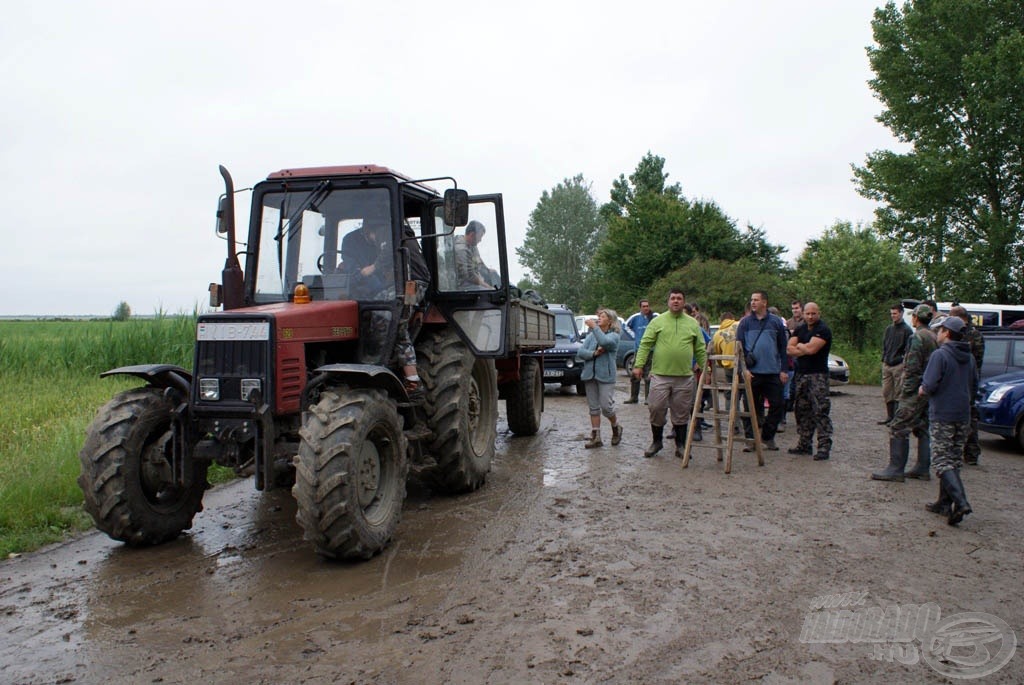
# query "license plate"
(553, 373)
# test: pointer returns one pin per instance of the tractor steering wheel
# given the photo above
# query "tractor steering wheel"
(320, 260)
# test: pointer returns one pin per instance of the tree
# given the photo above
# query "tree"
(122, 313)
(649, 177)
(562, 234)
(654, 230)
(950, 74)
(720, 286)
(854, 277)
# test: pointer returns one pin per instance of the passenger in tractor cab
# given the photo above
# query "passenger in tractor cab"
(364, 259)
(473, 274)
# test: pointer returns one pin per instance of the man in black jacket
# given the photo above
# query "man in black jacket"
(894, 349)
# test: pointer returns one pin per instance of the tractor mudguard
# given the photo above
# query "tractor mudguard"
(158, 375)
(359, 375)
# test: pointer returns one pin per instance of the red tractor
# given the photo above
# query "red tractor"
(298, 380)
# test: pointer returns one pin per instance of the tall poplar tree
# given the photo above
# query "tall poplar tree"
(562, 235)
(950, 74)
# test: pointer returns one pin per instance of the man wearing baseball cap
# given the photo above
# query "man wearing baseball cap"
(912, 410)
(948, 382)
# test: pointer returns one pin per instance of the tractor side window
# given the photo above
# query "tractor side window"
(268, 273)
(469, 258)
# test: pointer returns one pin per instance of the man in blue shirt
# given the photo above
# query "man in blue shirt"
(764, 337)
(637, 324)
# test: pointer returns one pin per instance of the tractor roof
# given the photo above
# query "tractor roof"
(345, 170)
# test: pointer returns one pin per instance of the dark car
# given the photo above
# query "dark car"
(560, 365)
(1001, 406)
(1004, 351)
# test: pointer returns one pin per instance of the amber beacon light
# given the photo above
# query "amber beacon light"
(301, 294)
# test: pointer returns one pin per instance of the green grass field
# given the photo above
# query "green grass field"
(49, 392)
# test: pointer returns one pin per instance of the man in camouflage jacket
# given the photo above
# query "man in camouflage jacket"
(912, 411)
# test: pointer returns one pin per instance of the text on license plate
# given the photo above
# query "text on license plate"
(553, 373)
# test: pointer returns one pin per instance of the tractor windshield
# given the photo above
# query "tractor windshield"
(338, 242)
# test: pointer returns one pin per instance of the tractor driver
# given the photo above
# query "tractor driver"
(473, 274)
(362, 255)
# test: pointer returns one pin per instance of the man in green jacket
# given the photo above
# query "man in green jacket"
(678, 341)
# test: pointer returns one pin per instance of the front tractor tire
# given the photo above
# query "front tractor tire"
(127, 478)
(526, 398)
(350, 473)
(462, 411)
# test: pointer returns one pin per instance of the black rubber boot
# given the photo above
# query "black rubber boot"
(924, 459)
(680, 433)
(890, 412)
(656, 445)
(955, 487)
(899, 450)
(634, 391)
(941, 505)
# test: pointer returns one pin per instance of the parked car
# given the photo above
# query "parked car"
(838, 370)
(1004, 351)
(560, 365)
(1001, 406)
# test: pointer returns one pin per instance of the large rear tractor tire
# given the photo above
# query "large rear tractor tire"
(462, 411)
(350, 473)
(127, 475)
(526, 400)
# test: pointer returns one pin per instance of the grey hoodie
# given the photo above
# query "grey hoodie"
(948, 380)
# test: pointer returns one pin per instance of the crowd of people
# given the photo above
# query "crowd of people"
(929, 375)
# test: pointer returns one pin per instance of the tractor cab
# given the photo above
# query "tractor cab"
(343, 234)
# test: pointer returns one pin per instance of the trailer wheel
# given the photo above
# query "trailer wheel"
(127, 478)
(462, 411)
(350, 473)
(526, 399)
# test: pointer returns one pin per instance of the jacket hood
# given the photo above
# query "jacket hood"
(960, 350)
(725, 323)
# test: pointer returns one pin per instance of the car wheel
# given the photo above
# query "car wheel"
(627, 363)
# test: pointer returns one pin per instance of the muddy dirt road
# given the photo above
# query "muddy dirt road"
(569, 566)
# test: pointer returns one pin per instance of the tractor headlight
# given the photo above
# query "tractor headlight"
(209, 389)
(569, 363)
(248, 385)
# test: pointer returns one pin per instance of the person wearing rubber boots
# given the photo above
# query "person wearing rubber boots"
(974, 338)
(637, 324)
(947, 384)
(912, 410)
(894, 349)
(676, 340)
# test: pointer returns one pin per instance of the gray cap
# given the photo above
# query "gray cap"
(953, 323)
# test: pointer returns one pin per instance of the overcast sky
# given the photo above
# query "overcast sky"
(116, 114)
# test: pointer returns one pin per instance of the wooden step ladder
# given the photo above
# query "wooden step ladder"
(731, 415)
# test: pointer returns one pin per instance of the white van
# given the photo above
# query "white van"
(1002, 315)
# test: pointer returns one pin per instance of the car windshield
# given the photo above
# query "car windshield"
(563, 326)
(337, 242)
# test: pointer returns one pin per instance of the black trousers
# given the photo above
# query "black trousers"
(767, 386)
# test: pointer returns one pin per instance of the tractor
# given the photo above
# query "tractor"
(296, 380)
